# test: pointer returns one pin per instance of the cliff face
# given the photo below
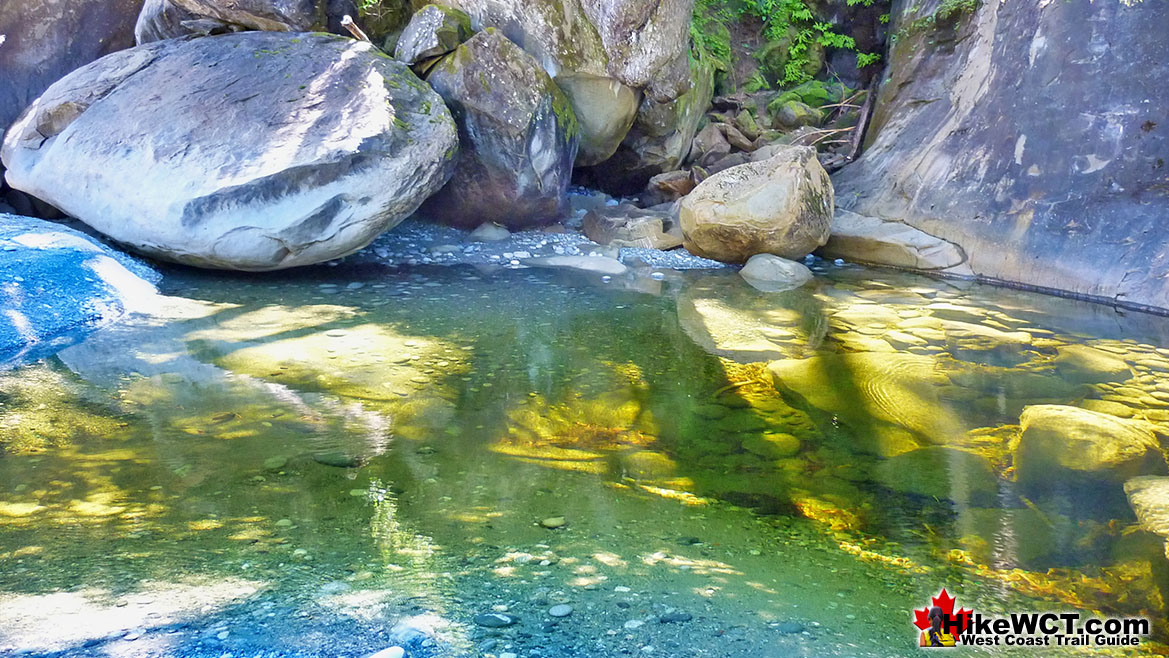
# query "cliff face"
(1034, 135)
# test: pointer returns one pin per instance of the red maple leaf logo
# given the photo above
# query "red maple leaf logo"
(921, 618)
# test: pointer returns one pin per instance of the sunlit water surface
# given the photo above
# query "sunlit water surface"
(297, 462)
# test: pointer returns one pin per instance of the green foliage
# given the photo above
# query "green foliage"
(788, 22)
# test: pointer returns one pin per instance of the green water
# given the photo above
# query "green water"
(293, 463)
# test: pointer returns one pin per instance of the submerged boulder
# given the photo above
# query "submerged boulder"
(518, 136)
(1149, 498)
(1058, 441)
(250, 151)
(863, 239)
(167, 19)
(57, 284)
(770, 273)
(780, 206)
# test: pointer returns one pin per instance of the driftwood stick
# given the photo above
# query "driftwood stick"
(862, 121)
(348, 24)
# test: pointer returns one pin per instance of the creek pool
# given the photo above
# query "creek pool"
(332, 461)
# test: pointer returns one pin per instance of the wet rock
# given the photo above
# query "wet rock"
(433, 31)
(1057, 442)
(626, 225)
(770, 273)
(675, 618)
(390, 652)
(781, 206)
(562, 610)
(647, 465)
(860, 239)
(518, 137)
(168, 19)
(218, 195)
(494, 620)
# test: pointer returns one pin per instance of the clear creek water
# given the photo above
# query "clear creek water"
(317, 462)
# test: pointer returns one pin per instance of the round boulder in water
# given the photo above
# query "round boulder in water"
(249, 151)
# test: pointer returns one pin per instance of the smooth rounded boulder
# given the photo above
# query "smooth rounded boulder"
(249, 151)
(781, 206)
(518, 137)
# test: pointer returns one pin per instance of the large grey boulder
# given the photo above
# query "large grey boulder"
(1070, 197)
(517, 132)
(57, 285)
(251, 151)
(167, 19)
(780, 206)
(40, 46)
(1058, 442)
(433, 31)
(603, 53)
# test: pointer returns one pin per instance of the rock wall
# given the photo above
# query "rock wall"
(1033, 135)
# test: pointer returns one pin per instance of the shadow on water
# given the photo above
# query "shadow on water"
(410, 424)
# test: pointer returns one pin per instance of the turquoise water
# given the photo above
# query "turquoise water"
(295, 463)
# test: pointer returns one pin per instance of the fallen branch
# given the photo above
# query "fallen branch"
(348, 24)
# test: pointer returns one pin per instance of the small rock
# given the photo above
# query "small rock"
(789, 627)
(633, 624)
(675, 617)
(561, 610)
(391, 652)
(494, 620)
(489, 232)
(553, 522)
(222, 635)
(275, 463)
(284, 523)
(508, 654)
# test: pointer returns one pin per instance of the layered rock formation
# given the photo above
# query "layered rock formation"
(1032, 135)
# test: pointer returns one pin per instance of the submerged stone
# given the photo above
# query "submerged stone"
(941, 473)
(1058, 442)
